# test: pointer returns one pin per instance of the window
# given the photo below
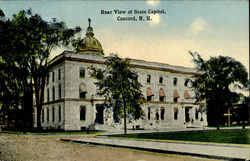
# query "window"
(162, 113)
(82, 113)
(149, 94)
(53, 114)
(53, 76)
(59, 74)
(149, 98)
(161, 98)
(82, 73)
(82, 91)
(186, 82)
(59, 91)
(59, 114)
(157, 116)
(175, 81)
(162, 95)
(148, 78)
(47, 114)
(149, 113)
(176, 96)
(53, 93)
(161, 80)
(196, 114)
(42, 115)
(47, 94)
(176, 113)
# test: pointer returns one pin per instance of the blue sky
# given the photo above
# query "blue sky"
(211, 28)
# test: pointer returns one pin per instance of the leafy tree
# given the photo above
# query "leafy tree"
(217, 83)
(27, 45)
(119, 83)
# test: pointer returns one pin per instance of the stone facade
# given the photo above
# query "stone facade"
(71, 101)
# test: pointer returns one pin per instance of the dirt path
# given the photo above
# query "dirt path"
(50, 148)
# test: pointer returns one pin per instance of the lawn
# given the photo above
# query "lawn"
(216, 136)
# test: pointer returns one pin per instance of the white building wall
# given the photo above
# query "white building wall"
(70, 105)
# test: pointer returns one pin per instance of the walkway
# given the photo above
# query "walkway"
(216, 151)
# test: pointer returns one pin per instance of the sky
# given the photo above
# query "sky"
(211, 28)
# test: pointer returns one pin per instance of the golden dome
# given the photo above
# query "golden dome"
(90, 43)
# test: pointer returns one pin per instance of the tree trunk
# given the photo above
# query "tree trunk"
(125, 115)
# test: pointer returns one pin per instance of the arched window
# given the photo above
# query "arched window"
(53, 93)
(82, 91)
(82, 113)
(149, 94)
(162, 95)
(59, 91)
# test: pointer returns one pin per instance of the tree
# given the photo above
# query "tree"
(217, 84)
(119, 84)
(27, 45)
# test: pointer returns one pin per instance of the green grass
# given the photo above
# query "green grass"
(53, 133)
(216, 136)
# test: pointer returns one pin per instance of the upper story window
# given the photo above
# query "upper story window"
(176, 96)
(162, 95)
(186, 82)
(82, 91)
(149, 94)
(82, 72)
(148, 78)
(59, 74)
(175, 81)
(53, 76)
(59, 91)
(160, 80)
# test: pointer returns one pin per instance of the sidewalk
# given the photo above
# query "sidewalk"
(216, 151)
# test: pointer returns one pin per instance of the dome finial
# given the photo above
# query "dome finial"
(89, 31)
(89, 21)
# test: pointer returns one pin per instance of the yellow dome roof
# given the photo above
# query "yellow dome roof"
(90, 43)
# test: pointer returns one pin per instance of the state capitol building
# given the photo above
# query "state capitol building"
(71, 101)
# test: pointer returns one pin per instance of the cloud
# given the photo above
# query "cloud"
(153, 2)
(155, 19)
(198, 25)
